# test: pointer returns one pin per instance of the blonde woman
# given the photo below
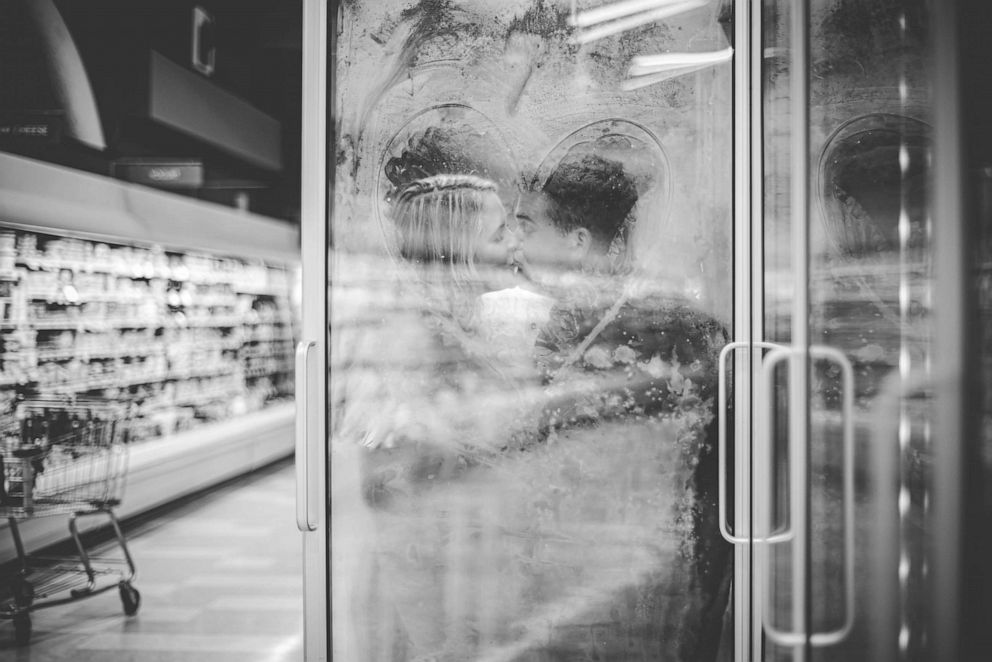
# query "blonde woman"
(434, 414)
(452, 230)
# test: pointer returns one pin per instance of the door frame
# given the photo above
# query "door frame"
(312, 483)
(748, 309)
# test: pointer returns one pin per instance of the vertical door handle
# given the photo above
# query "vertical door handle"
(728, 350)
(306, 484)
(763, 426)
(799, 478)
(847, 408)
(764, 502)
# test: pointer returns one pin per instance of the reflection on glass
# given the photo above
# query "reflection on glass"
(529, 290)
(869, 289)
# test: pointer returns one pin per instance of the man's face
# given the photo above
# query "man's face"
(544, 247)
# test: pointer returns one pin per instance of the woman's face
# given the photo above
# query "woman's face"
(496, 242)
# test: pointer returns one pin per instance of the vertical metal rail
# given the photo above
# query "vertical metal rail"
(748, 315)
(799, 369)
(747, 162)
(883, 620)
(950, 339)
(312, 512)
(757, 225)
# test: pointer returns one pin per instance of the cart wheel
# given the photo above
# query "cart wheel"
(130, 598)
(23, 593)
(22, 629)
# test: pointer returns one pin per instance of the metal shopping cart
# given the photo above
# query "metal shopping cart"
(63, 456)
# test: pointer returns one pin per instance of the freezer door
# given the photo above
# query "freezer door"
(530, 284)
(864, 415)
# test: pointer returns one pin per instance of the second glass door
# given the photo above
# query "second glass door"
(845, 452)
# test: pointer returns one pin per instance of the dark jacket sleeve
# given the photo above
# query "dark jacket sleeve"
(655, 357)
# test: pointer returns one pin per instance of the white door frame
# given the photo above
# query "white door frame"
(748, 320)
(311, 356)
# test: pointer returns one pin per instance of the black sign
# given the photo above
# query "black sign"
(41, 127)
(162, 173)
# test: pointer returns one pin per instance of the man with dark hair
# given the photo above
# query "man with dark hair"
(622, 362)
(594, 193)
(574, 218)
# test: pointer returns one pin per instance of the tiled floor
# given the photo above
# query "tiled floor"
(220, 579)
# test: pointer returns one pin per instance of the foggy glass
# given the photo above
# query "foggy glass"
(870, 284)
(523, 414)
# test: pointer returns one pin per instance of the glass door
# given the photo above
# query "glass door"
(529, 257)
(854, 399)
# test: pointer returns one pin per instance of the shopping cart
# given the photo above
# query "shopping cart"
(63, 456)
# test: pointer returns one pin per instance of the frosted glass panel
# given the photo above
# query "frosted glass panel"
(869, 252)
(530, 285)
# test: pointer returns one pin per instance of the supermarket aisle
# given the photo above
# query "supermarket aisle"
(220, 580)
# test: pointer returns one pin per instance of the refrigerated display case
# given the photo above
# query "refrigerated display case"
(193, 333)
(149, 241)
(185, 312)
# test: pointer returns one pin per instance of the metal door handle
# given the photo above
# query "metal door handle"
(832, 637)
(764, 441)
(727, 350)
(764, 434)
(305, 485)
(798, 474)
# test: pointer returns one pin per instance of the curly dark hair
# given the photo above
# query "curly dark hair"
(591, 192)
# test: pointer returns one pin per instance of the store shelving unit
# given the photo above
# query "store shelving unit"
(179, 308)
(180, 337)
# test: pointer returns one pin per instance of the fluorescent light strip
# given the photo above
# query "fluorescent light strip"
(649, 64)
(613, 11)
(636, 21)
(651, 79)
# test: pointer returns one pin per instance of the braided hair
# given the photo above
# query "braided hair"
(439, 220)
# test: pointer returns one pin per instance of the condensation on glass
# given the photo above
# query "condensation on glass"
(530, 285)
(867, 217)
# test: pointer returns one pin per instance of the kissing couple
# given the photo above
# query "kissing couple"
(539, 446)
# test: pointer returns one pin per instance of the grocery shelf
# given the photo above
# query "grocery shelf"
(175, 333)
(118, 381)
(97, 324)
(110, 352)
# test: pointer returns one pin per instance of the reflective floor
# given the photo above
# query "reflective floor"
(220, 579)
